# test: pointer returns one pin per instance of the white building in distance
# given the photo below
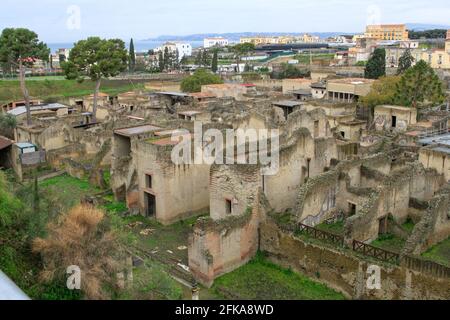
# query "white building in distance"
(184, 49)
(215, 42)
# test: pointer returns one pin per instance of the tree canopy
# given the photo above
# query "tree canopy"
(383, 92)
(428, 34)
(241, 49)
(214, 62)
(96, 58)
(132, 63)
(200, 77)
(290, 71)
(376, 66)
(20, 48)
(21, 44)
(419, 85)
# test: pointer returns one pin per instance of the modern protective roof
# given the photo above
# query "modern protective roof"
(51, 106)
(443, 139)
(304, 92)
(23, 145)
(189, 113)
(128, 132)
(175, 94)
(288, 103)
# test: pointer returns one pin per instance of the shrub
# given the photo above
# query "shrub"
(200, 77)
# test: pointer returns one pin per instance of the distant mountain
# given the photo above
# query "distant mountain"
(237, 35)
(424, 26)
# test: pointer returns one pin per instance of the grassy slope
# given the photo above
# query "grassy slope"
(261, 279)
(46, 89)
(67, 190)
(336, 228)
(389, 242)
(439, 253)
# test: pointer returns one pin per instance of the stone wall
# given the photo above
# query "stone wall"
(181, 191)
(225, 241)
(346, 272)
(434, 225)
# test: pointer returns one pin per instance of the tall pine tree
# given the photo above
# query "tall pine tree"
(132, 64)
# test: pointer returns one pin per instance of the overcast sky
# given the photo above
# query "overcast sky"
(70, 20)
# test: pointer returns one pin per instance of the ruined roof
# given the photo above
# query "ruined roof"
(5, 142)
(128, 132)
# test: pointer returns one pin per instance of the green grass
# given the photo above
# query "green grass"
(68, 190)
(439, 253)
(389, 242)
(305, 58)
(56, 89)
(260, 279)
(336, 228)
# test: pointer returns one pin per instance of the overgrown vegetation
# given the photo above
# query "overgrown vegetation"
(336, 227)
(27, 217)
(290, 71)
(200, 77)
(82, 238)
(7, 124)
(439, 253)
(376, 66)
(260, 279)
(389, 242)
(419, 86)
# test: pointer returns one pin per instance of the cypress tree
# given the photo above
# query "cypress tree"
(214, 62)
(132, 65)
